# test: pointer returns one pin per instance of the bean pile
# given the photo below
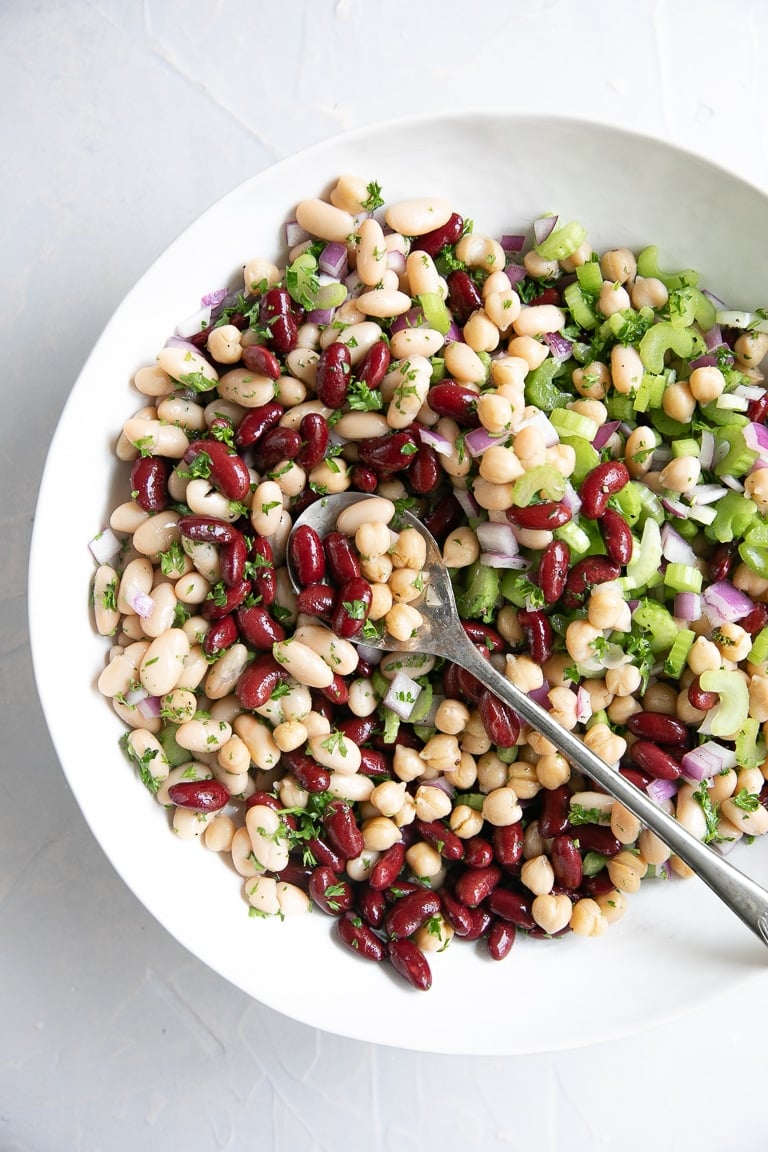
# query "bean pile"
(584, 435)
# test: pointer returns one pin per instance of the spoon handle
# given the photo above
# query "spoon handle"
(743, 896)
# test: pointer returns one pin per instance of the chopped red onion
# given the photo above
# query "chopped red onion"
(719, 304)
(541, 421)
(512, 242)
(543, 227)
(714, 337)
(497, 537)
(571, 499)
(402, 695)
(135, 695)
(413, 318)
(321, 316)
(674, 548)
(704, 361)
(478, 440)
(141, 603)
(504, 560)
(441, 444)
(723, 603)
(604, 433)
(756, 438)
(707, 760)
(370, 655)
(583, 705)
(661, 790)
(707, 451)
(295, 234)
(441, 783)
(396, 261)
(750, 391)
(560, 346)
(213, 299)
(675, 507)
(454, 335)
(105, 546)
(150, 707)
(354, 286)
(333, 260)
(469, 505)
(732, 482)
(179, 342)
(515, 273)
(708, 494)
(540, 696)
(688, 606)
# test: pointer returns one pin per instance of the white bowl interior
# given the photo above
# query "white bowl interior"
(677, 945)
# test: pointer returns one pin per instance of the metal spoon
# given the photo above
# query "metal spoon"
(443, 635)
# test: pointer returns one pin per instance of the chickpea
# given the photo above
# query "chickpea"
(625, 827)
(652, 849)
(224, 344)
(621, 708)
(756, 486)
(587, 918)
(748, 581)
(552, 913)
(593, 380)
(499, 464)
(627, 369)
(381, 601)
(461, 547)
(530, 447)
(751, 347)
(452, 716)
(648, 292)
(372, 539)
(465, 774)
(613, 905)
(660, 697)
(618, 265)
(626, 871)
(605, 743)
(524, 672)
(388, 797)
(706, 383)
(612, 298)
(578, 258)
(732, 641)
(563, 709)
(508, 625)
(403, 621)
(758, 698)
(638, 450)
(431, 803)
(591, 408)
(465, 821)
(480, 332)
(678, 402)
(624, 680)
(539, 744)
(681, 474)
(538, 268)
(502, 307)
(607, 608)
(538, 875)
(703, 656)
(424, 860)
(492, 772)
(533, 351)
(441, 752)
(410, 550)
(580, 637)
(552, 770)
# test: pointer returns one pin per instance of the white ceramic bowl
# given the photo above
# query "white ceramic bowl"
(677, 946)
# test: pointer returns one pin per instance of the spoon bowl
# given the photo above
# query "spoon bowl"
(443, 634)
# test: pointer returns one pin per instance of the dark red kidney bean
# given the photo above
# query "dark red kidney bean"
(500, 937)
(263, 568)
(478, 852)
(313, 431)
(655, 760)
(451, 399)
(311, 776)
(337, 691)
(597, 487)
(322, 852)
(451, 687)
(598, 885)
(757, 411)
(316, 600)
(480, 923)
(755, 620)
(721, 561)
(232, 560)
(501, 723)
(463, 296)
(331, 893)
(617, 536)
(372, 905)
(546, 516)
(508, 845)
(407, 914)
(199, 795)
(333, 375)
(258, 358)
(475, 884)
(659, 727)
(448, 233)
(512, 906)
(258, 628)
(374, 763)
(425, 473)
(266, 798)
(566, 861)
(468, 686)
(387, 868)
(359, 937)
(391, 453)
(363, 479)
(591, 570)
(441, 837)
(455, 913)
(698, 698)
(597, 838)
(342, 831)
(553, 814)
(373, 367)
(207, 530)
(228, 472)
(256, 422)
(640, 779)
(351, 608)
(483, 634)
(277, 444)
(446, 515)
(231, 599)
(323, 705)
(358, 729)
(149, 482)
(553, 570)
(550, 295)
(259, 680)
(409, 960)
(341, 557)
(306, 555)
(221, 635)
(537, 631)
(401, 888)
(277, 315)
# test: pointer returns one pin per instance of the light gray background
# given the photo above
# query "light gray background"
(120, 122)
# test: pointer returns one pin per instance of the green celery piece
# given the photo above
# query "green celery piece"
(562, 242)
(646, 556)
(480, 593)
(380, 683)
(660, 625)
(734, 700)
(650, 392)
(573, 534)
(629, 501)
(666, 425)
(758, 653)
(674, 665)
(739, 458)
(648, 265)
(620, 407)
(590, 277)
(750, 748)
(435, 312)
(722, 416)
(423, 703)
(683, 578)
(757, 536)
(545, 479)
(391, 725)
(569, 423)
(685, 448)
(580, 307)
(174, 753)
(756, 559)
(541, 389)
(301, 280)
(664, 337)
(734, 515)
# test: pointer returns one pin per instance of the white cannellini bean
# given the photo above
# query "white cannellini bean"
(181, 363)
(163, 662)
(376, 510)
(267, 835)
(418, 216)
(340, 655)
(334, 751)
(303, 663)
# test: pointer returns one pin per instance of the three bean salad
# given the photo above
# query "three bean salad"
(584, 435)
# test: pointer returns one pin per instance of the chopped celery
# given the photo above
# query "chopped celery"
(380, 683)
(174, 753)
(562, 242)
(629, 502)
(575, 537)
(666, 425)
(734, 700)
(435, 312)
(654, 619)
(646, 557)
(756, 559)
(391, 725)
(587, 457)
(733, 517)
(757, 536)
(544, 479)
(507, 755)
(750, 747)
(651, 505)
(739, 458)
(580, 306)
(480, 593)
(650, 392)
(664, 337)
(438, 369)
(722, 416)
(687, 305)
(683, 578)
(678, 653)
(685, 448)
(570, 423)
(590, 277)
(423, 702)
(648, 265)
(758, 653)
(541, 389)
(620, 407)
